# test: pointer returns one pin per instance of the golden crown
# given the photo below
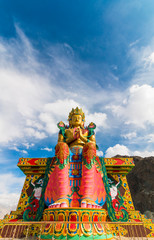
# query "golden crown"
(76, 111)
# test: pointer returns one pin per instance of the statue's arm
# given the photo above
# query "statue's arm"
(61, 135)
(84, 139)
(60, 138)
(70, 140)
(92, 139)
(71, 136)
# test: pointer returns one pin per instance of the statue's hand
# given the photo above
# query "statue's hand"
(76, 133)
(82, 137)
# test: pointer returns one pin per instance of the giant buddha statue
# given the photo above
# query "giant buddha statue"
(75, 179)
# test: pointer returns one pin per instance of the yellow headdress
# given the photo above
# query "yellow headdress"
(76, 111)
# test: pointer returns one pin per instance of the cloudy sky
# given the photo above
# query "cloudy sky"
(55, 55)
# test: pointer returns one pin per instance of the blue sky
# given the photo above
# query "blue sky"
(55, 55)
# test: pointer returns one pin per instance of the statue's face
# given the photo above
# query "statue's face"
(76, 120)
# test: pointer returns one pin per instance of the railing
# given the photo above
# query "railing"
(26, 230)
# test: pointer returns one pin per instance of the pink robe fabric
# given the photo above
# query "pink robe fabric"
(84, 184)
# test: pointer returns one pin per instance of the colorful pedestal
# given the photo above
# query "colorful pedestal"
(76, 223)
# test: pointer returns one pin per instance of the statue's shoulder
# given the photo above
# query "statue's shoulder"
(69, 132)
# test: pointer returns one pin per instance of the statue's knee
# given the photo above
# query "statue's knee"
(62, 147)
(89, 147)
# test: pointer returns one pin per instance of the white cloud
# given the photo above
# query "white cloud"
(29, 101)
(117, 150)
(125, 151)
(143, 63)
(129, 135)
(22, 92)
(98, 118)
(17, 149)
(137, 108)
(34, 96)
(11, 187)
(143, 153)
(55, 112)
(100, 153)
(8, 203)
(149, 60)
(47, 149)
(10, 183)
(31, 132)
(28, 145)
(151, 57)
(132, 44)
(150, 138)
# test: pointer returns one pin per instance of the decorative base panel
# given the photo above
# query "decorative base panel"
(75, 215)
(88, 224)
